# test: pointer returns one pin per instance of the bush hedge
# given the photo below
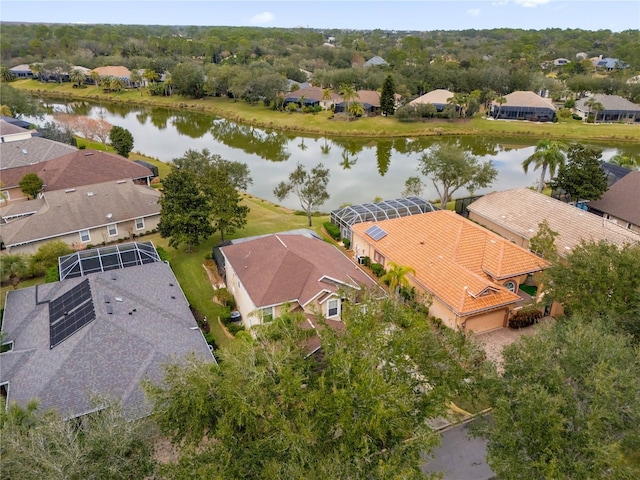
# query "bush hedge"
(332, 230)
(347, 243)
(377, 269)
(525, 317)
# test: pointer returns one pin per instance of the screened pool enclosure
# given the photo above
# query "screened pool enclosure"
(345, 217)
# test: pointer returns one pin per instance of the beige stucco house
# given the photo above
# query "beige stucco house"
(304, 273)
(471, 276)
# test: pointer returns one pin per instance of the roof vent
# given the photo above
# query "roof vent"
(88, 154)
(69, 190)
(121, 181)
(118, 299)
(90, 194)
(24, 152)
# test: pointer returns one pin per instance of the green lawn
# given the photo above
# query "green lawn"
(323, 124)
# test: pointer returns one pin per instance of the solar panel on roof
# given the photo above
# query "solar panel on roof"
(70, 312)
(376, 232)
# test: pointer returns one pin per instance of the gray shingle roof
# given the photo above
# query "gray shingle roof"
(622, 200)
(439, 96)
(523, 98)
(82, 208)
(33, 150)
(109, 356)
(521, 210)
(609, 102)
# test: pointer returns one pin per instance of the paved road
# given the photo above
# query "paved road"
(460, 457)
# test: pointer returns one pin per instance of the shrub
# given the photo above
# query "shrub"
(162, 253)
(51, 275)
(332, 230)
(225, 298)
(377, 269)
(234, 328)
(525, 317)
(347, 243)
(575, 116)
(366, 261)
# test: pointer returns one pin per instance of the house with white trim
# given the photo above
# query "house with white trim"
(302, 272)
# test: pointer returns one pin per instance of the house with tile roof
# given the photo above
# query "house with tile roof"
(438, 98)
(620, 204)
(523, 105)
(81, 216)
(516, 215)
(308, 274)
(616, 109)
(471, 277)
(101, 334)
(75, 169)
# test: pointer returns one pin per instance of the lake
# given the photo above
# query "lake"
(361, 169)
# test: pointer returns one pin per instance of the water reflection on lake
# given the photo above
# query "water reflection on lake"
(361, 169)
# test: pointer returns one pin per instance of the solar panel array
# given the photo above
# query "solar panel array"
(70, 312)
(376, 232)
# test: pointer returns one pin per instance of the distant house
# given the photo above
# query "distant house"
(376, 61)
(438, 98)
(516, 215)
(582, 55)
(301, 85)
(369, 99)
(100, 335)
(10, 132)
(21, 71)
(616, 109)
(522, 105)
(610, 64)
(307, 274)
(621, 202)
(312, 96)
(560, 62)
(89, 214)
(118, 71)
(31, 150)
(471, 277)
(81, 167)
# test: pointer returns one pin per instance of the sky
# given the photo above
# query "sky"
(423, 15)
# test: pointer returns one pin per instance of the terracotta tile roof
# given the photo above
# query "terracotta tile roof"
(81, 167)
(622, 200)
(454, 259)
(526, 99)
(521, 210)
(438, 96)
(277, 269)
(113, 71)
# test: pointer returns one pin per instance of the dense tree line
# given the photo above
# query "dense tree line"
(500, 60)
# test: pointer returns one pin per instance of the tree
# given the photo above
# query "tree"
(104, 444)
(47, 256)
(13, 268)
(566, 406)
(31, 185)
(500, 101)
(57, 69)
(396, 277)
(549, 154)
(600, 279)
(135, 80)
(625, 161)
(5, 74)
(326, 95)
(594, 105)
(413, 187)
(100, 129)
(20, 102)
(116, 84)
(188, 80)
(121, 140)
(543, 242)
(37, 69)
(451, 168)
(77, 76)
(387, 97)
(309, 187)
(356, 109)
(57, 133)
(95, 77)
(185, 214)
(349, 94)
(582, 176)
(357, 411)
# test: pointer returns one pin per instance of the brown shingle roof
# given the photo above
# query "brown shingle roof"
(521, 210)
(622, 200)
(82, 167)
(454, 259)
(277, 269)
(313, 93)
(83, 208)
(369, 96)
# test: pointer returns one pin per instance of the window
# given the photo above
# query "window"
(511, 286)
(112, 229)
(139, 223)
(267, 314)
(84, 236)
(378, 258)
(333, 308)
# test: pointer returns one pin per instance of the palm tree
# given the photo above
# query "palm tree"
(168, 90)
(549, 155)
(593, 104)
(625, 161)
(396, 277)
(500, 101)
(77, 76)
(348, 93)
(5, 74)
(356, 109)
(135, 80)
(95, 77)
(326, 95)
(36, 68)
(116, 84)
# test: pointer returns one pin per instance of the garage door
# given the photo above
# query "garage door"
(487, 321)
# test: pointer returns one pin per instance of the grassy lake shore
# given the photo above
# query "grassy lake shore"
(323, 124)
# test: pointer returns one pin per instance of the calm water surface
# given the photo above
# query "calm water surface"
(361, 169)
